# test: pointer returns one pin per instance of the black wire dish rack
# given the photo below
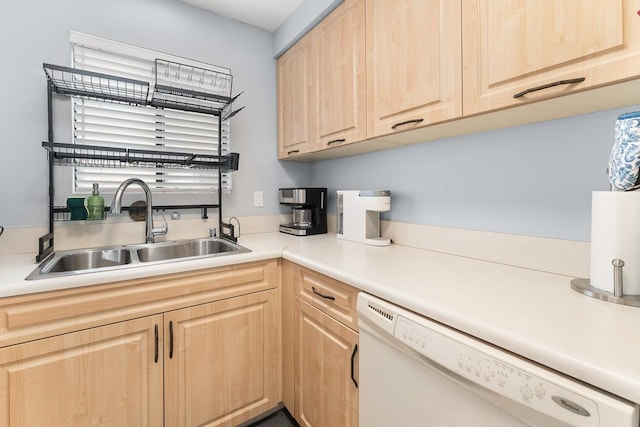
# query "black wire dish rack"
(88, 84)
(174, 85)
(113, 157)
(173, 88)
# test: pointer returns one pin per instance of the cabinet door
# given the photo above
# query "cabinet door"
(514, 46)
(296, 107)
(221, 359)
(325, 370)
(413, 64)
(107, 376)
(339, 48)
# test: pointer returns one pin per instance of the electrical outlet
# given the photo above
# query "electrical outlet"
(258, 199)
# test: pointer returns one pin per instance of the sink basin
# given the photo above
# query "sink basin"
(86, 259)
(117, 257)
(183, 249)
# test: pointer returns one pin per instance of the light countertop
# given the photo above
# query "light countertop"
(536, 315)
(14, 268)
(530, 313)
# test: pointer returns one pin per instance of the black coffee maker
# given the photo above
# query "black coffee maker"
(309, 207)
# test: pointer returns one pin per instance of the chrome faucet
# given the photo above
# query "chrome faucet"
(116, 207)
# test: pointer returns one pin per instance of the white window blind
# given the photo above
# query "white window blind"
(109, 124)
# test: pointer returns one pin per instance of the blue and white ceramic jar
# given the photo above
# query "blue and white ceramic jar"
(624, 161)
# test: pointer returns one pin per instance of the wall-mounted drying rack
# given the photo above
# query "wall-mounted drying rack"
(173, 89)
(97, 156)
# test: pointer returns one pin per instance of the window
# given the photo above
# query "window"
(142, 127)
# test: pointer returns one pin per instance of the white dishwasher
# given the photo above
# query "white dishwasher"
(416, 372)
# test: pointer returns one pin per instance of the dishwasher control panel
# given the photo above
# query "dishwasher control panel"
(480, 371)
(493, 373)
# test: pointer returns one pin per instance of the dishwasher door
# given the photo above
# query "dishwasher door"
(416, 372)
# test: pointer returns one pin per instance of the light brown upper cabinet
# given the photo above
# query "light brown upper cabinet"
(296, 108)
(413, 64)
(321, 85)
(339, 50)
(521, 51)
(433, 66)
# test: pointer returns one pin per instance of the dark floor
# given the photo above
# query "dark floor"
(279, 419)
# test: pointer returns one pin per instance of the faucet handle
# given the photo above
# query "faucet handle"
(161, 230)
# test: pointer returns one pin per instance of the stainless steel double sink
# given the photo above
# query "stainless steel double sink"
(116, 257)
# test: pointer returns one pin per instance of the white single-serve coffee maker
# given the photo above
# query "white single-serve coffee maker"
(359, 215)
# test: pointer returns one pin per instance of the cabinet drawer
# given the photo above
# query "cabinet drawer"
(28, 317)
(334, 298)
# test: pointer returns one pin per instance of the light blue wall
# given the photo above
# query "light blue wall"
(37, 31)
(304, 18)
(533, 180)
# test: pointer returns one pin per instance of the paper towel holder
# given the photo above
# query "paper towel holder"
(617, 296)
(618, 291)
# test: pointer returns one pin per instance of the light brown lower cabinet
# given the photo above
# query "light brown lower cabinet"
(319, 348)
(221, 361)
(104, 376)
(326, 389)
(190, 361)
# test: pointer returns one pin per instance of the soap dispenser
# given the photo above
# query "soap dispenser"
(95, 204)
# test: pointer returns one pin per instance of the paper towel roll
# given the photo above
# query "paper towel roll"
(615, 234)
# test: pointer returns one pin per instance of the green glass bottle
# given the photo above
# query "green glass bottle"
(95, 204)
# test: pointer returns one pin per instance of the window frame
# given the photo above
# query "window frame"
(161, 180)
